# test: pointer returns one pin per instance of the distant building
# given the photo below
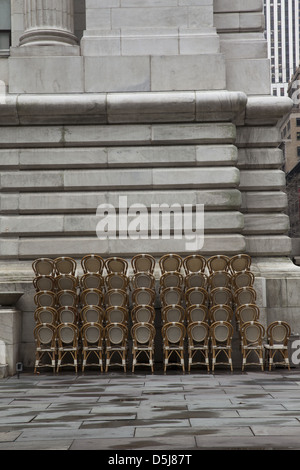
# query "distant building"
(282, 32)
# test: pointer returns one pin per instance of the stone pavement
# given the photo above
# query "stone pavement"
(115, 411)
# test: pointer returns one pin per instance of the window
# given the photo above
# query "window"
(5, 27)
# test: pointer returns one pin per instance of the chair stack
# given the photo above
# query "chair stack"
(116, 312)
(143, 312)
(201, 300)
(171, 288)
(56, 315)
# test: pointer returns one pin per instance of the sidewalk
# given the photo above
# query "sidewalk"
(116, 411)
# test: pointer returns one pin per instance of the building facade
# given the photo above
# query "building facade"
(156, 102)
(282, 32)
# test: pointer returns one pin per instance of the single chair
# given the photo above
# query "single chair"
(196, 296)
(43, 282)
(278, 334)
(173, 313)
(244, 295)
(116, 265)
(43, 267)
(65, 265)
(196, 280)
(220, 313)
(198, 344)
(245, 313)
(143, 263)
(143, 296)
(221, 333)
(220, 296)
(252, 334)
(171, 296)
(242, 279)
(170, 262)
(92, 264)
(45, 346)
(115, 314)
(116, 281)
(46, 315)
(143, 314)
(91, 297)
(92, 314)
(142, 279)
(218, 263)
(67, 314)
(45, 298)
(67, 298)
(196, 313)
(219, 279)
(173, 335)
(92, 281)
(143, 335)
(171, 279)
(194, 264)
(116, 340)
(66, 282)
(92, 335)
(116, 298)
(240, 262)
(67, 345)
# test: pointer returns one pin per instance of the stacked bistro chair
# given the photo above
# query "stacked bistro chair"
(143, 331)
(278, 334)
(116, 303)
(221, 333)
(92, 313)
(194, 268)
(252, 335)
(173, 334)
(198, 344)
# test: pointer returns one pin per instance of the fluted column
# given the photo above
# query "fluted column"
(48, 22)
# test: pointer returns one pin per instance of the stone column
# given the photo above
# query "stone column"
(48, 22)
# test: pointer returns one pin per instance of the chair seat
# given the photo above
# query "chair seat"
(252, 347)
(174, 347)
(116, 348)
(198, 347)
(275, 346)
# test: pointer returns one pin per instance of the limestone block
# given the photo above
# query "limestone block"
(250, 76)
(257, 137)
(228, 22)
(264, 201)
(244, 48)
(87, 202)
(268, 245)
(194, 133)
(276, 292)
(101, 43)
(9, 203)
(260, 158)
(23, 225)
(51, 247)
(63, 158)
(10, 319)
(266, 110)
(188, 72)
(9, 248)
(261, 179)
(46, 75)
(33, 180)
(116, 74)
(156, 42)
(230, 6)
(9, 159)
(198, 178)
(265, 223)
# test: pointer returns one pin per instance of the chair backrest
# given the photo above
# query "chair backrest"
(116, 334)
(171, 296)
(242, 279)
(278, 332)
(196, 313)
(247, 312)
(46, 315)
(240, 262)
(45, 298)
(66, 282)
(143, 296)
(173, 334)
(196, 296)
(172, 313)
(245, 295)
(252, 333)
(171, 279)
(92, 334)
(67, 314)
(194, 264)
(143, 263)
(218, 263)
(220, 313)
(116, 281)
(198, 333)
(92, 264)
(91, 297)
(65, 265)
(116, 297)
(67, 334)
(143, 334)
(170, 262)
(92, 281)
(219, 279)
(142, 279)
(43, 267)
(221, 332)
(116, 315)
(44, 283)
(67, 298)
(92, 314)
(196, 280)
(116, 265)
(221, 296)
(143, 313)
(45, 335)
